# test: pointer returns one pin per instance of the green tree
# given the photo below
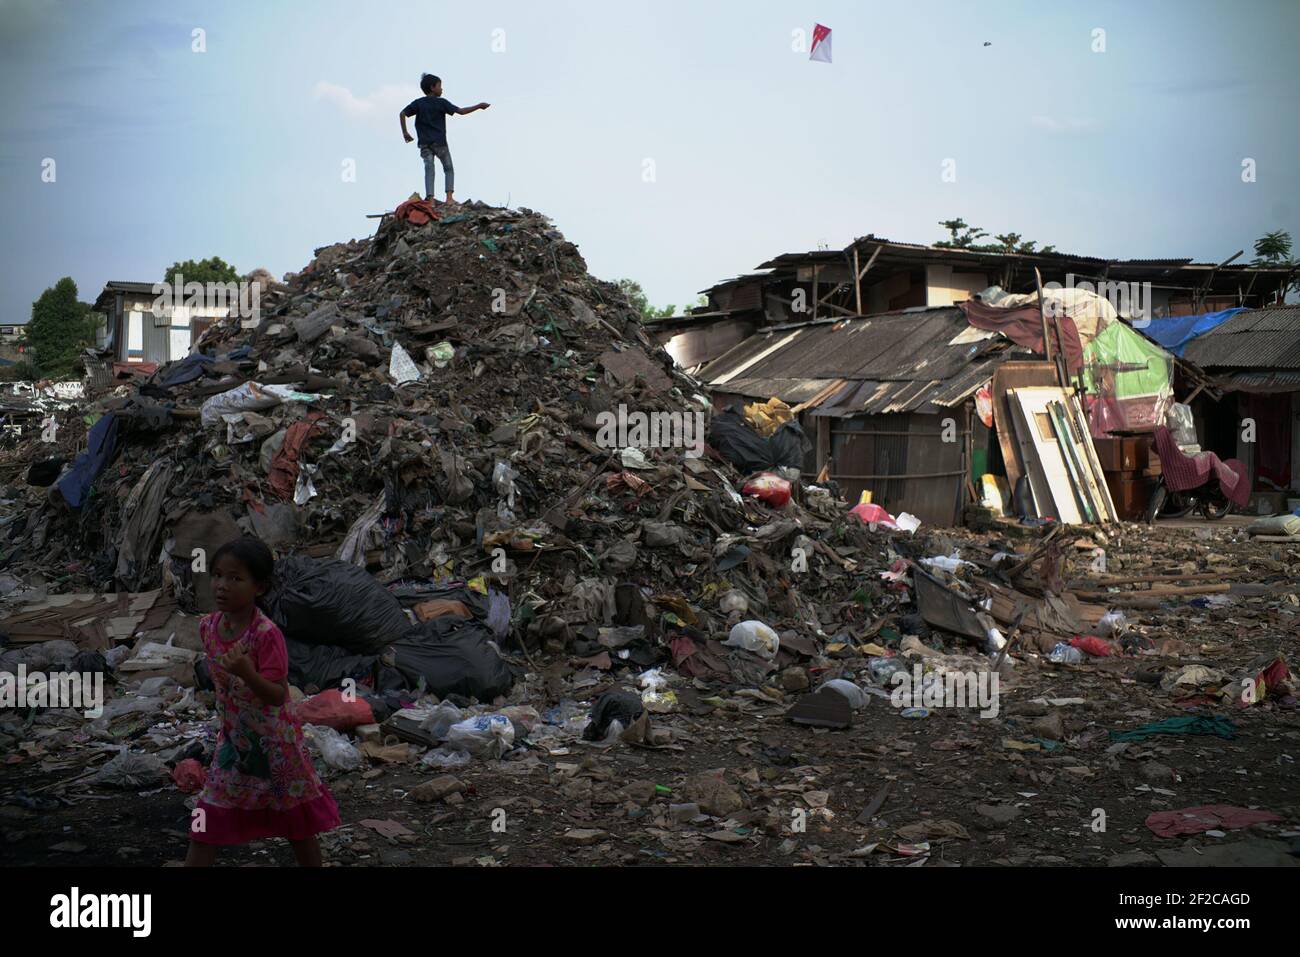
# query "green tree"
(59, 329)
(637, 297)
(1274, 249)
(962, 235)
(205, 271)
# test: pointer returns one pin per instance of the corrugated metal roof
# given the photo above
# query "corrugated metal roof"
(921, 252)
(895, 362)
(1056, 254)
(114, 286)
(1256, 339)
(1284, 381)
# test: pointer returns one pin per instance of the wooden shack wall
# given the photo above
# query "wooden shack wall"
(903, 460)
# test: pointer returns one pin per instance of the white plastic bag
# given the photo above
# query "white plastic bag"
(949, 563)
(445, 758)
(994, 642)
(503, 480)
(756, 637)
(483, 736)
(733, 602)
(1111, 623)
(250, 397)
(125, 705)
(132, 771)
(150, 655)
(334, 748)
(654, 679)
(440, 720)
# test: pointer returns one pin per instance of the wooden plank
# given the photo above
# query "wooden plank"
(1086, 583)
(1159, 591)
(1090, 452)
(1012, 375)
(821, 396)
(1032, 403)
(874, 805)
(1044, 503)
(1073, 465)
(1042, 315)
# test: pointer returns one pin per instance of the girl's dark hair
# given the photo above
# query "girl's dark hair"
(427, 83)
(252, 553)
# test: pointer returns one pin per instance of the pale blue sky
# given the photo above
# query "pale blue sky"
(165, 154)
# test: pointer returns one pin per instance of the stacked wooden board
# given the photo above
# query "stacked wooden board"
(1065, 475)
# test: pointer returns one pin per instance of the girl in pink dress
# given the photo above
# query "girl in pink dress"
(261, 782)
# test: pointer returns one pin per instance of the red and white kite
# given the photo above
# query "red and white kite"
(821, 45)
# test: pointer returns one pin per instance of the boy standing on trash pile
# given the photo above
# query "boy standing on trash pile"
(431, 112)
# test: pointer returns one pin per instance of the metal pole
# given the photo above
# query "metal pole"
(857, 282)
(1042, 314)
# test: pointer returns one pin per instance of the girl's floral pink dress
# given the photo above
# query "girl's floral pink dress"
(261, 782)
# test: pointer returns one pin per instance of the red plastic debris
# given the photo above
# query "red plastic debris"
(190, 776)
(871, 512)
(332, 710)
(768, 487)
(1093, 645)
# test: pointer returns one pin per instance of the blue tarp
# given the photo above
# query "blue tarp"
(101, 446)
(187, 370)
(1175, 332)
(192, 366)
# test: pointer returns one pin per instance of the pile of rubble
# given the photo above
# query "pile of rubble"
(425, 404)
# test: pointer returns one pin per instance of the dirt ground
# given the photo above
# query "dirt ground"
(979, 790)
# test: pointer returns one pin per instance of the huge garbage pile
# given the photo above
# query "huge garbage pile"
(424, 405)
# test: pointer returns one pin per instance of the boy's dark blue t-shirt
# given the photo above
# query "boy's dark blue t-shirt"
(430, 114)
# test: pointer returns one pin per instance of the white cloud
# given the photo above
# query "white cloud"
(380, 106)
(1069, 124)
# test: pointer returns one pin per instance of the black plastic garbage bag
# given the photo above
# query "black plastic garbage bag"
(789, 444)
(454, 657)
(614, 705)
(748, 451)
(333, 603)
(326, 666)
(43, 473)
(736, 442)
(88, 663)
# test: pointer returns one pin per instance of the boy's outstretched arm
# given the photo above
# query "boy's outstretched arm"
(406, 135)
(470, 109)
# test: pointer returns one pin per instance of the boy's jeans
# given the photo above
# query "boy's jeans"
(427, 153)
